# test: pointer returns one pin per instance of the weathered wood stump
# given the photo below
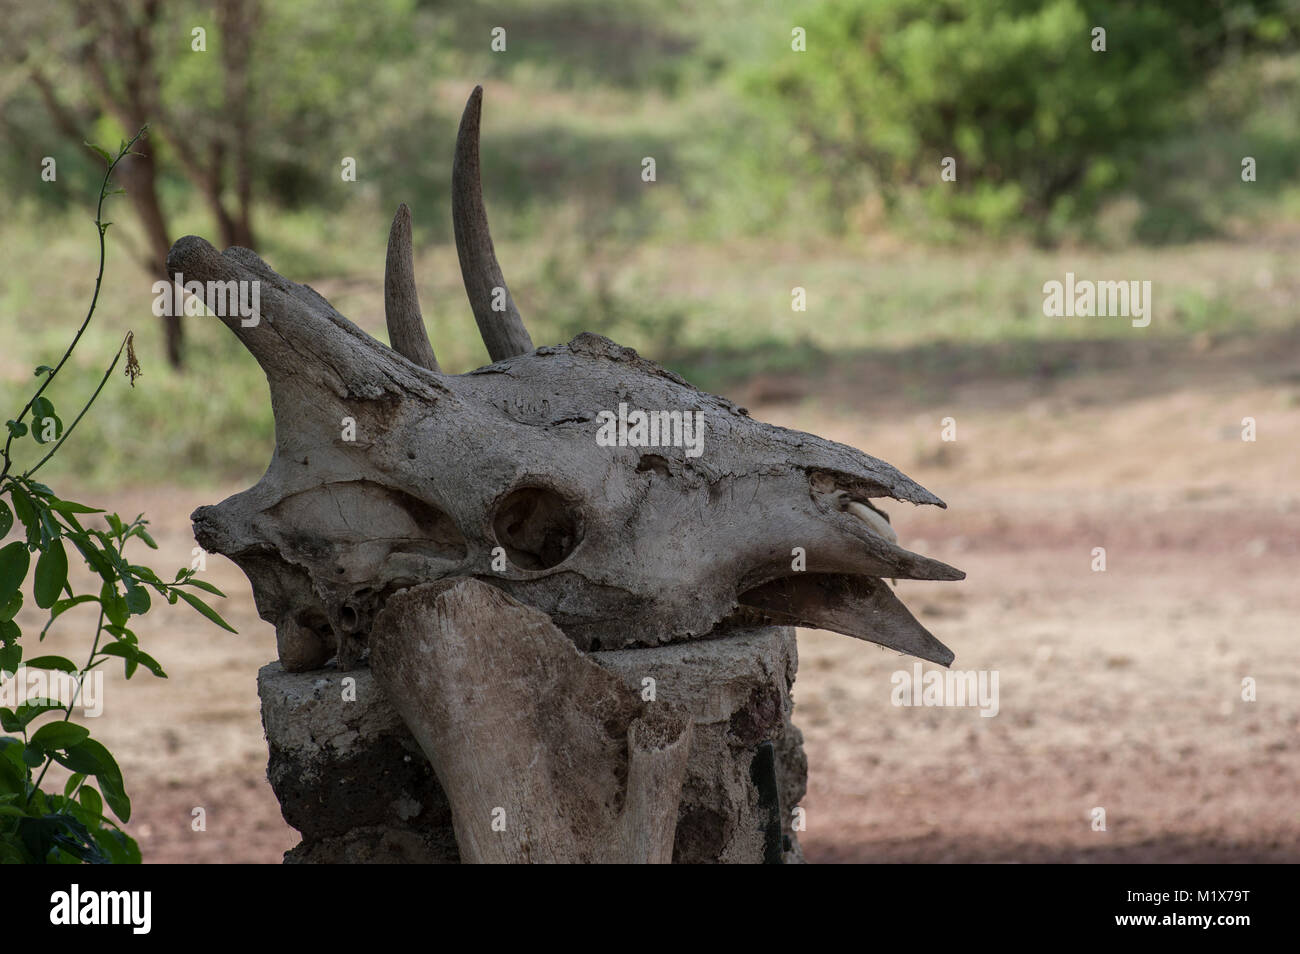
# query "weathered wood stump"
(352, 779)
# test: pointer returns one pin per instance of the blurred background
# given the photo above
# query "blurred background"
(774, 169)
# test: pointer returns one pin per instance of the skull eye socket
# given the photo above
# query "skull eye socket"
(537, 527)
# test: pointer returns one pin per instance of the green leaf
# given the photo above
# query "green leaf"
(115, 795)
(42, 407)
(118, 845)
(73, 526)
(109, 775)
(146, 575)
(134, 657)
(77, 760)
(75, 779)
(50, 529)
(115, 609)
(62, 606)
(107, 764)
(137, 597)
(26, 511)
(10, 752)
(32, 708)
(9, 720)
(90, 800)
(206, 586)
(59, 735)
(10, 609)
(51, 574)
(144, 535)
(68, 506)
(39, 426)
(60, 838)
(101, 152)
(16, 428)
(6, 519)
(94, 558)
(60, 663)
(205, 609)
(13, 772)
(42, 369)
(12, 655)
(114, 605)
(123, 650)
(14, 561)
(121, 632)
(151, 664)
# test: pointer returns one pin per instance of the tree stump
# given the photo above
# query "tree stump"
(351, 778)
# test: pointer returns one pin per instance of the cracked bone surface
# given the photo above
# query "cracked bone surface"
(388, 474)
(544, 756)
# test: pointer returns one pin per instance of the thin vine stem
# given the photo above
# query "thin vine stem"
(67, 431)
(94, 300)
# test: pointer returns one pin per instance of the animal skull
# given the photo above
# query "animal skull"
(498, 475)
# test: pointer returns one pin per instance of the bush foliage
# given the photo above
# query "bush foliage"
(1041, 125)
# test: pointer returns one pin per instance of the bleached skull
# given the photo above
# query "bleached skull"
(581, 479)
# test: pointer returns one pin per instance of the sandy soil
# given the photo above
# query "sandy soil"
(1118, 690)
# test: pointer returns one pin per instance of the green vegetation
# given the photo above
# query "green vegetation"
(39, 826)
(1047, 109)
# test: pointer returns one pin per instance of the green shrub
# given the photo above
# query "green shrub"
(1041, 126)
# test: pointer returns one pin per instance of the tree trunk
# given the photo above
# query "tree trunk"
(140, 178)
(237, 20)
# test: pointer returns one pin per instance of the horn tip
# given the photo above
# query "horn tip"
(401, 219)
(473, 107)
(399, 241)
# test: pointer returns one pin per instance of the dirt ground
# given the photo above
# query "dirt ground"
(1119, 690)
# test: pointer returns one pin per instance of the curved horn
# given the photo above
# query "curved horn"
(401, 303)
(503, 331)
